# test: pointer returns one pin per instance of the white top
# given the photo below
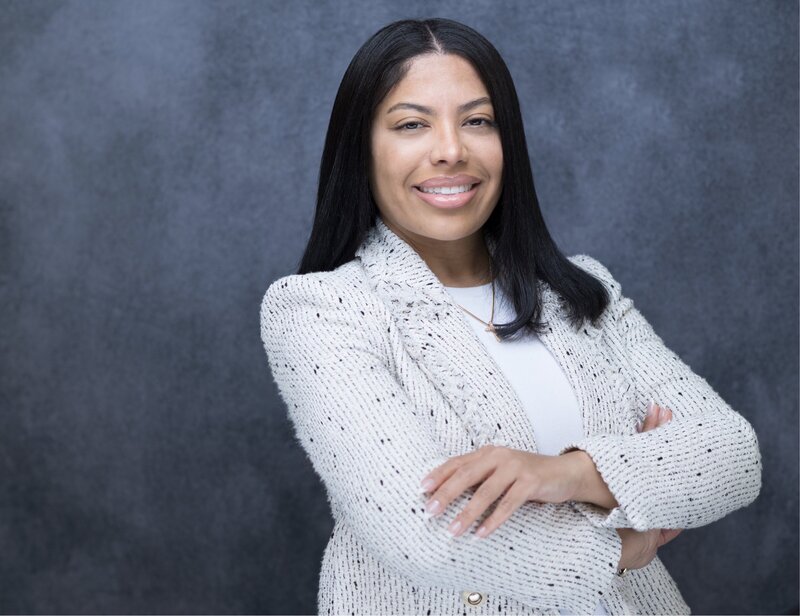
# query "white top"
(534, 373)
(383, 380)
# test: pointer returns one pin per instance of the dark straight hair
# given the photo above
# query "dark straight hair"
(524, 250)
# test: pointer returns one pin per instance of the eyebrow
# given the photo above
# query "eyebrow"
(429, 111)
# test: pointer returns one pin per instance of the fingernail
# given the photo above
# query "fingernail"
(481, 532)
(434, 507)
(651, 406)
(453, 528)
(427, 484)
(638, 426)
(662, 414)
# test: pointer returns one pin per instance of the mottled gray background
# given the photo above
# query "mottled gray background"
(158, 162)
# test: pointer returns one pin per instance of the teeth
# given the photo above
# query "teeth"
(447, 190)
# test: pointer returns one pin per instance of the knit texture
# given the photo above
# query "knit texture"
(384, 379)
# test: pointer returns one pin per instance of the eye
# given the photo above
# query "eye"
(402, 126)
(486, 121)
(405, 127)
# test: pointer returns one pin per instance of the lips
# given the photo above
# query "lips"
(447, 202)
(445, 180)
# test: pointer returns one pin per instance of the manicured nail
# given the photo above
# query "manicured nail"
(662, 414)
(481, 532)
(427, 483)
(453, 528)
(434, 507)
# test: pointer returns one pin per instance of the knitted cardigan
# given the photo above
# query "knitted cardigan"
(384, 379)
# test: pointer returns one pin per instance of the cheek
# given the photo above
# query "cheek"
(393, 163)
(488, 153)
(381, 171)
(497, 155)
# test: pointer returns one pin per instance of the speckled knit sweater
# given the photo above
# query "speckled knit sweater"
(384, 379)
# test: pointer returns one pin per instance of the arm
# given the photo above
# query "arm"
(693, 470)
(593, 488)
(362, 435)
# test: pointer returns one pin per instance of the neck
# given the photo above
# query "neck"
(462, 262)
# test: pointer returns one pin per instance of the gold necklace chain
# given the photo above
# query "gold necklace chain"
(490, 324)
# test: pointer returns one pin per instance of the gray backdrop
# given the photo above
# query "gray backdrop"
(158, 162)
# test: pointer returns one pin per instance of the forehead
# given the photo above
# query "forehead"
(435, 77)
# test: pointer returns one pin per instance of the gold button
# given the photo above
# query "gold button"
(473, 598)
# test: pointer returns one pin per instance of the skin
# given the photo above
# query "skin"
(409, 146)
(518, 469)
(639, 548)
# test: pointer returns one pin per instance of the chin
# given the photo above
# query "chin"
(448, 229)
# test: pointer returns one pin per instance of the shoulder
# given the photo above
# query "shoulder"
(330, 300)
(316, 287)
(598, 270)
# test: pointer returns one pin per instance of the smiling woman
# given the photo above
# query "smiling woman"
(415, 145)
(536, 428)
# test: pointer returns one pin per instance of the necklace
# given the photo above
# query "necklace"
(490, 324)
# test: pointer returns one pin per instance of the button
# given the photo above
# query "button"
(472, 598)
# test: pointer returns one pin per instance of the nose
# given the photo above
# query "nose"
(448, 147)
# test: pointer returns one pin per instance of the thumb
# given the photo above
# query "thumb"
(668, 534)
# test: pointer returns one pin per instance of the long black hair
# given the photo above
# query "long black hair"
(524, 250)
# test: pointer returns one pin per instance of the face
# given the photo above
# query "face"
(432, 128)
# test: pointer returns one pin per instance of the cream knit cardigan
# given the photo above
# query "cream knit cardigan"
(384, 379)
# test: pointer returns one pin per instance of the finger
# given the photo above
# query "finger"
(667, 535)
(655, 417)
(658, 418)
(512, 500)
(434, 479)
(465, 476)
(488, 492)
(651, 418)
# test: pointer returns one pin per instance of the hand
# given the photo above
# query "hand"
(640, 547)
(654, 419)
(518, 476)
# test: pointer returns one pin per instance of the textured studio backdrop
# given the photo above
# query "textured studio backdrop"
(158, 162)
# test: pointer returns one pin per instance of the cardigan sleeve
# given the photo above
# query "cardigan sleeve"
(702, 465)
(326, 345)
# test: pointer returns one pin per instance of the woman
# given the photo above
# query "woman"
(434, 330)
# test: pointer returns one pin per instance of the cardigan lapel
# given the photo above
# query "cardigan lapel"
(438, 336)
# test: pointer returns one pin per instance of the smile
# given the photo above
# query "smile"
(447, 190)
(447, 197)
